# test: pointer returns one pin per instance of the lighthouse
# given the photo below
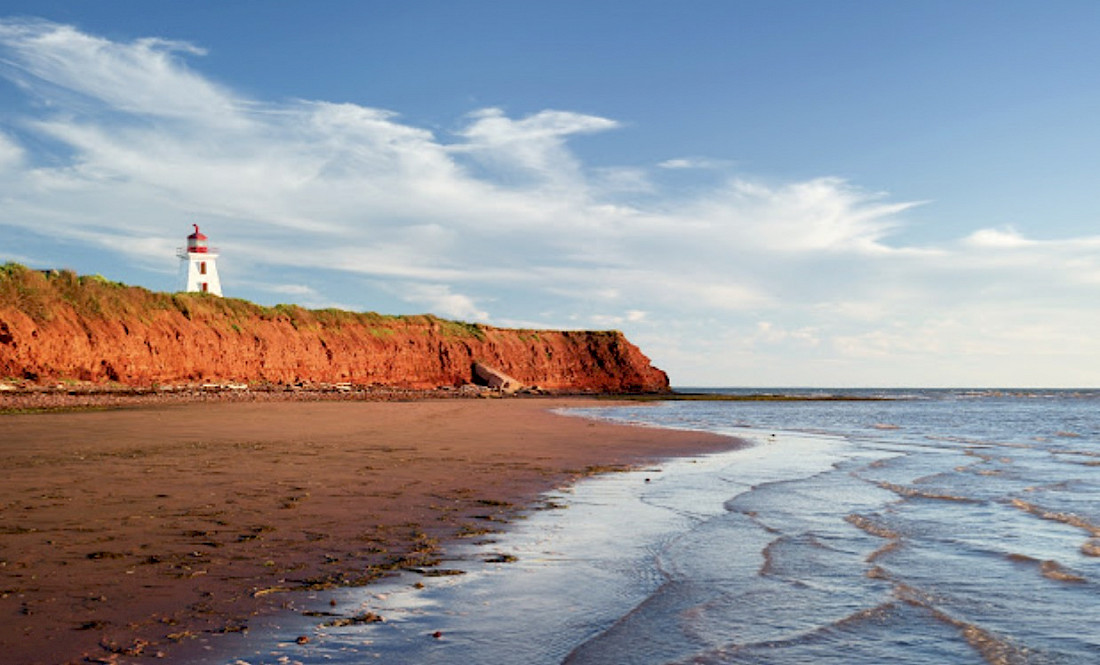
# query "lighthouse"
(202, 271)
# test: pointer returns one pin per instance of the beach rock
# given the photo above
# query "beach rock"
(61, 327)
(496, 379)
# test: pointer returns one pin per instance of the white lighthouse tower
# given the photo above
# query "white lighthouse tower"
(202, 271)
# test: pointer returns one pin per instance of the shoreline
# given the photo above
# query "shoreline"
(127, 534)
(28, 398)
(564, 574)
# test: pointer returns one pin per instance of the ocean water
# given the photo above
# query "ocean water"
(928, 527)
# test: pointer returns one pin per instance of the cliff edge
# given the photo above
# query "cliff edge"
(57, 325)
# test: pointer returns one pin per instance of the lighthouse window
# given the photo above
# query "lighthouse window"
(202, 268)
(205, 287)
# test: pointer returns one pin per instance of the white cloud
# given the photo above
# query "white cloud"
(621, 179)
(530, 151)
(681, 163)
(145, 76)
(997, 239)
(440, 301)
(501, 221)
(769, 333)
(292, 289)
(632, 316)
(299, 294)
(11, 154)
(677, 164)
(824, 214)
(490, 127)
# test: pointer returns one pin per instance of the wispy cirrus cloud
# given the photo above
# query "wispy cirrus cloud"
(685, 163)
(499, 220)
(146, 76)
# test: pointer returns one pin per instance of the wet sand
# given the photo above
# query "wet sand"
(129, 535)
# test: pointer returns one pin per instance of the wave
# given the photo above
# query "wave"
(973, 468)
(1054, 516)
(1055, 571)
(966, 441)
(1071, 451)
(1091, 547)
(912, 492)
(723, 654)
(933, 477)
(994, 649)
(1091, 457)
(981, 443)
(768, 568)
(1047, 568)
(983, 457)
(870, 526)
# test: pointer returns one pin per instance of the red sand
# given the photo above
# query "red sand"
(125, 534)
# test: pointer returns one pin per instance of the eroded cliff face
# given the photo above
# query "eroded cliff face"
(60, 326)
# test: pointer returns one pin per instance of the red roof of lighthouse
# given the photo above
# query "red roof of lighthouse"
(196, 242)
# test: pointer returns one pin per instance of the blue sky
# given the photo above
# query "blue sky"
(760, 193)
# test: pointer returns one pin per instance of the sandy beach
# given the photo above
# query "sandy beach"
(128, 535)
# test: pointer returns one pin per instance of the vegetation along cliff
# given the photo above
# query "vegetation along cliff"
(60, 326)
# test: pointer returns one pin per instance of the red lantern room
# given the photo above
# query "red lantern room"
(196, 242)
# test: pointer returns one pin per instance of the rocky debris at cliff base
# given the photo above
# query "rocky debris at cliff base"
(23, 396)
(16, 398)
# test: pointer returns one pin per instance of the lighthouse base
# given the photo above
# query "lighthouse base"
(202, 273)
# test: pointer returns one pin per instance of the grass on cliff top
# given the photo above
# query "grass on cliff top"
(40, 294)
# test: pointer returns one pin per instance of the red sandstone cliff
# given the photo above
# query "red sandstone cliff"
(60, 326)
